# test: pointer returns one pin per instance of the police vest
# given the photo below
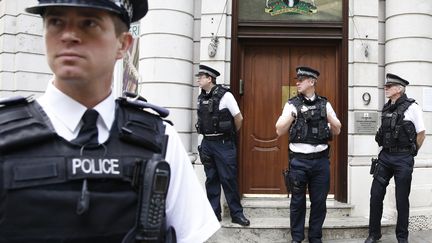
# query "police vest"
(310, 125)
(42, 176)
(394, 131)
(211, 120)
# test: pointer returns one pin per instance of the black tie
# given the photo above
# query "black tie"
(88, 135)
(89, 132)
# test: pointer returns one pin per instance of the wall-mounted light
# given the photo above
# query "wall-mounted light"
(366, 97)
(366, 50)
(212, 47)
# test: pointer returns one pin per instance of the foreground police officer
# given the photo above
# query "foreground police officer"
(311, 122)
(219, 119)
(400, 136)
(67, 180)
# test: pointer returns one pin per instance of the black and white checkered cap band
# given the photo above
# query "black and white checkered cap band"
(125, 4)
(391, 80)
(306, 73)
(208, 72)
(122, 7)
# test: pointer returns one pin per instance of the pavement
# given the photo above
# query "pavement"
(424, 236)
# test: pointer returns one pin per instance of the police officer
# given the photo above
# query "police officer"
(400, 136)
(310, 121)
(70, 162)
(219, 118)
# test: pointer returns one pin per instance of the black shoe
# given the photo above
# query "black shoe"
(241, 220)
(315, 240)
(294, 241)
(402, 241)
(371, 239)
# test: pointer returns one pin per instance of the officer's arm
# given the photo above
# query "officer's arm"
(238, 120)
(283, 124)
(335, 125)
(420, 138)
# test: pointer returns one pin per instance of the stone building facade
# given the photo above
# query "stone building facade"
(382, 36)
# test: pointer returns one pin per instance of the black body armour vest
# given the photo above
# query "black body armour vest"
(42, 187)
(211, 120)
(394, 131)
(310, 125)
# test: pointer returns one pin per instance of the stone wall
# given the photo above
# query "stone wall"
(398, 42)
(23, 68)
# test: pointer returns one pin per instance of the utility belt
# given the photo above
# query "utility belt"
(317, 155)
(217, 136)
(407, 149)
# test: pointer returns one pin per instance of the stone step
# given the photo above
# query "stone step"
(277, 229)
(269, 218)
(279, 207)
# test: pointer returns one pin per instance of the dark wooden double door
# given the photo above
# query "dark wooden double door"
(267, 75)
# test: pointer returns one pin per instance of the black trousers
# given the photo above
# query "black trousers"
(222, 172)
(315, 174)
(401, 167)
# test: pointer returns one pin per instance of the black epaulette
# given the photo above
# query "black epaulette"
(14, 100)
(22, 122)
(219, 91)
(411, 100)
(404, 106)
(140, 102)
(321, 97)
(294, 100)
(169, 122)
(298, 98)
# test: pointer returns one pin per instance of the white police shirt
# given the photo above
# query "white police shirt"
(228, 101)
(187, 207)
(306, 148)
(414, 114)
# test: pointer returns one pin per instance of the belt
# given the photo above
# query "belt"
(317, 155)
(213, 134)
(398, 149)
(217, 136)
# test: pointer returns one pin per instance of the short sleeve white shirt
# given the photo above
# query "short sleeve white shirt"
(414, 114)
(228, 101)
(187, 207)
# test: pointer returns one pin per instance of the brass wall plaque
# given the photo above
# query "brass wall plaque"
(287, 93)
(365, 122)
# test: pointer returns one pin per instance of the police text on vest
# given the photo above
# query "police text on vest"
(95, 166)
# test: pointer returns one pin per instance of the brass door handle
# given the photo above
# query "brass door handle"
(241, 87)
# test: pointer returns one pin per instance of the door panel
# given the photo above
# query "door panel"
(267, 73)
(264, 72)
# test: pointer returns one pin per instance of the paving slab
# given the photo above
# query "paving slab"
(424, 236)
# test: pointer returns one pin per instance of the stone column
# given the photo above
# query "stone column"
(408, 45)
(215, 22)
(166, 60)
(363, 66)
(408, 51)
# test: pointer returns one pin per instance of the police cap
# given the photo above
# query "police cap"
(307, 72)
(207, 70)
(394, 79)
(128, 10)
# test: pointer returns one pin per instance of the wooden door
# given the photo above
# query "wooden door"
(267, 73)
